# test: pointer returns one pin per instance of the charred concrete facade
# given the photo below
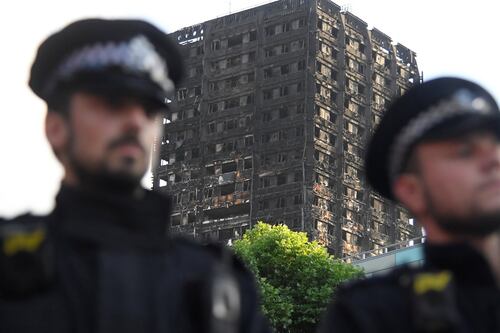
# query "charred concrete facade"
(272, 121)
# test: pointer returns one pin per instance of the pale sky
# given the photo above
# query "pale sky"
(450, 38)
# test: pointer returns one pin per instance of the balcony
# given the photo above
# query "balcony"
(352, 115)
(321, 189)
(353, 181)
(385, 90)
(350, 157)
(353, 138)
(226, 178)
(381, 68)
(353, 205)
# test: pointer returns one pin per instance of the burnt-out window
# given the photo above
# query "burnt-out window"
(263, 204)
(281, 179)
(248, 140)
(227, 189)
(225, 234)
(281, 203)
(247, 163)
(297, 199)
(234, 40)
(228, 167)
(176, 219)
(283, 112)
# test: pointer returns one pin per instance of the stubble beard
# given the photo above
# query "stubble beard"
(102, 177)
(476, 223)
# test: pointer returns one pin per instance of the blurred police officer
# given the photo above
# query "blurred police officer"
(436, 151)
(102, 261)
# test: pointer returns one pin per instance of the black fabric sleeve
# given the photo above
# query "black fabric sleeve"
(340, 318)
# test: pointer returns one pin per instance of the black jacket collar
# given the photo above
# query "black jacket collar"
(466, 263)
(99, 216)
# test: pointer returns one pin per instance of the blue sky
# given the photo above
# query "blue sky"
(450, 37)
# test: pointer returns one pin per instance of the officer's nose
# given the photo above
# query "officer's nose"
(492, 158)
(134, 116)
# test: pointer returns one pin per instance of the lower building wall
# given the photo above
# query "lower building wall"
(384, 263)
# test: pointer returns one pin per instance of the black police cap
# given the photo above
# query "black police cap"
(437, 109)
(109, 57)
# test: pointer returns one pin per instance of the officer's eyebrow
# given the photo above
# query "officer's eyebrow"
(476, 136)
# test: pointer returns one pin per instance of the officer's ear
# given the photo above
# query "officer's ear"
(408, 190)
(57, 132)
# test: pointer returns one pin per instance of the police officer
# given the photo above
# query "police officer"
(437, 152)
(102, 261)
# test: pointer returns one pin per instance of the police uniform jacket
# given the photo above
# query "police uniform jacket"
(455, 291)
(103, 263)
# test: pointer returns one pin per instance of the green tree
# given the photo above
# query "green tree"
(296, 277)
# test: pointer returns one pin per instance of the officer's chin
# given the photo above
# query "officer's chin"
(127, 167)
(130, 175)
(118, 182)
(120, 179)
(479, 226)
